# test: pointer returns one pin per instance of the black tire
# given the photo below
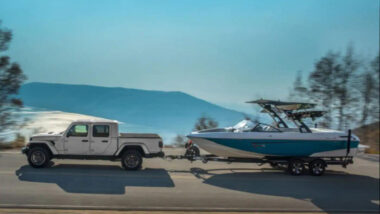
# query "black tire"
(38, 157)
(192, 152)
(317, 167)
(296, 167)
(131, 160)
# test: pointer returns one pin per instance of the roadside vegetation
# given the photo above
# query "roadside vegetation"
(17, 143)
(179, 141)
(346, 86)
(369, 135)
(202, 123)
(11, 78)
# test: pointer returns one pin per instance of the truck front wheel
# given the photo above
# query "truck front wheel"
(131, 160)
(38, 157)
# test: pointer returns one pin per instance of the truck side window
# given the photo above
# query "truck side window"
(101, 131)
(78, 130)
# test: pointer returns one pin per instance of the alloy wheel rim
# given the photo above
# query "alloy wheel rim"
(38, 158)
(297, 168)
(131, 161)
(317, 168)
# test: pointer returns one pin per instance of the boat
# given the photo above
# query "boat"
(249, 139)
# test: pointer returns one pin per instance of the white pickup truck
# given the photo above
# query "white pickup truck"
(93, 139)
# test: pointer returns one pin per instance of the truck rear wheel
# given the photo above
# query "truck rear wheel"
(131, 160)
(38, 157)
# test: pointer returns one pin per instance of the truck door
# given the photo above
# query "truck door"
(100, 139)
(77, 140)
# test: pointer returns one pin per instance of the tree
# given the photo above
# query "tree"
(342, 82)
(331, 83)
(179, 141)
(322, 84)
(11, 78)
(367, 90)
(205, 123)
(370, 92)
(299, 92)
(344, 86)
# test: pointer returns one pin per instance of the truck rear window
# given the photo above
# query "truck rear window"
(101, 131)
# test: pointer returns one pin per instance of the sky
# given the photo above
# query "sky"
(226, 52)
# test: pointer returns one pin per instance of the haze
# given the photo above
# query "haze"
(226, 52)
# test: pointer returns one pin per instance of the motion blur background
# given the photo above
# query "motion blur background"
(167, 66)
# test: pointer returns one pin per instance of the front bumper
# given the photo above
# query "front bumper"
(25, 150)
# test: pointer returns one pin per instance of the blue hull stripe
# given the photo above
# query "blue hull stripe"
(283, 147)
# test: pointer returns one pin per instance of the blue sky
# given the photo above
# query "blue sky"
(226, 52)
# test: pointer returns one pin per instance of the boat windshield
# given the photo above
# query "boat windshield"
(244, 125)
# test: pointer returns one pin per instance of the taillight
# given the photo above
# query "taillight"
(161, 144)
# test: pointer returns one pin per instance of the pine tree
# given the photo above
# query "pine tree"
(11, 78)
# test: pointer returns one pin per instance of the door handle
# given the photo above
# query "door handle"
(104, 141)
(85, 141)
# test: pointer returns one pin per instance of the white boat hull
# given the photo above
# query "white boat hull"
(257, 145)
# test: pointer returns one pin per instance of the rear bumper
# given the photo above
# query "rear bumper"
(155, 155)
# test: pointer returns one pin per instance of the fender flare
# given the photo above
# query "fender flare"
(49, 145)
(135, 144)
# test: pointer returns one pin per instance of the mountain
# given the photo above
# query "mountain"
(172, 111)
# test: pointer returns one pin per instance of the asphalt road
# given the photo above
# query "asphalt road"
(181, 185)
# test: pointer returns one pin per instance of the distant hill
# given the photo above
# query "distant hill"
(174, 111)
(369, 135)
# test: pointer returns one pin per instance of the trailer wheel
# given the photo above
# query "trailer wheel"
(317, 167)
(274, 165)
(296, 167)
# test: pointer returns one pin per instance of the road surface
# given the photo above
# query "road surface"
(181, 185)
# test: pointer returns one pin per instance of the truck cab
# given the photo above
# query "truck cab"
(93, 139)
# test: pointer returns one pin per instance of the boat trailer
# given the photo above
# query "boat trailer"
(295, 165)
